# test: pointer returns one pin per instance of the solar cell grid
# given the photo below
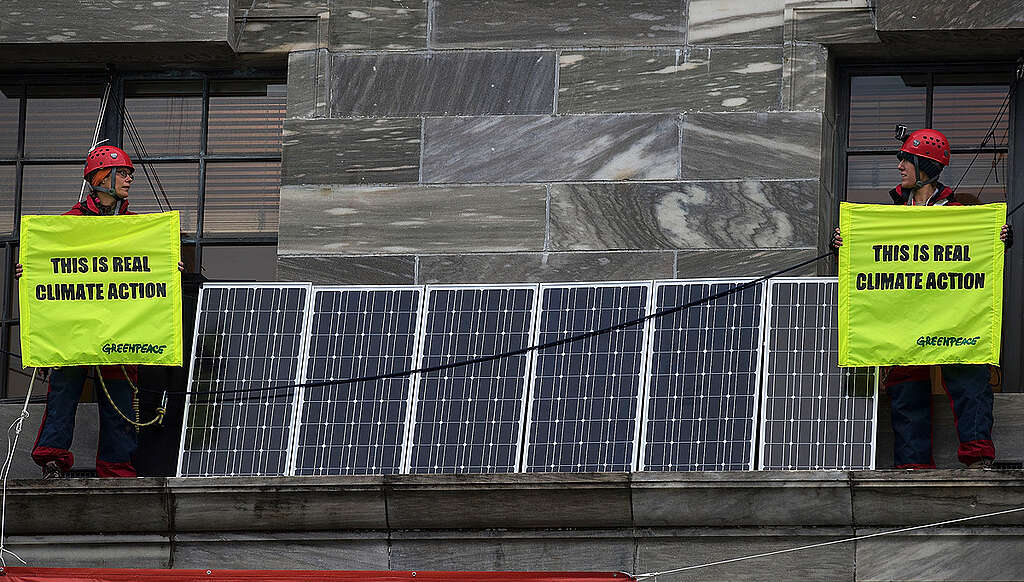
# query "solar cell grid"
(701, 408)
(469, 419)
(247, 336)
(815, 415)
(584, 406)
(357, 428)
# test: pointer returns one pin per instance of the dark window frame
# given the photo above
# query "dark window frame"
(1013, 283)
(113, 127)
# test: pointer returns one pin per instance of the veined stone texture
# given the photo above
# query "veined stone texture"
(727, 146)
(377, 24)
(410, 219)
(351, 151)
(459, 83)
(669, 80)
(279, 35)
(731, 22)
(742, 263)
(97, 21)
(898, 15)
(568, 23)
(348, 270)
(487, 268)
(307, 83)
(684, 215)
(545, 148)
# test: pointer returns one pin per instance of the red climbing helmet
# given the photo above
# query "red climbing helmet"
(106, 157)
(928, 143)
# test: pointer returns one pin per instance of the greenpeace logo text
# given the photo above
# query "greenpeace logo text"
(133, 348)
(938, 340)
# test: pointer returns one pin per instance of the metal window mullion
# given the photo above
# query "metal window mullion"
(8, 291)
(201, 201)
(929, 99)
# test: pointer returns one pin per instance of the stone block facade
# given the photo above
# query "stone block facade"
(461, 142)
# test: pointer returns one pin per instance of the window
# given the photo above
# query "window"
(207, 146)
(962, 105)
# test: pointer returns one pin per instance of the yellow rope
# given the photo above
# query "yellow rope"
(160, 410)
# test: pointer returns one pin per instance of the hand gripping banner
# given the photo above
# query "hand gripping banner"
(920, 284)
(100, 290)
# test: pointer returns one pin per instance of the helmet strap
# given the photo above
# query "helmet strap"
(917, 176)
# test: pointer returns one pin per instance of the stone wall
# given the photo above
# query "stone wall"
(463, 142)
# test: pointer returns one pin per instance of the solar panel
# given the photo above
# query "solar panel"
(814, 414)
(701, 406)
(584, 407)
(357, 428)
(246, 336)
(469, 419)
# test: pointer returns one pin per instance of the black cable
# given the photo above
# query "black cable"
(999, 115)
(520, 351)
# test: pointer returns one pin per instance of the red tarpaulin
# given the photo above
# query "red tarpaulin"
(123, 575)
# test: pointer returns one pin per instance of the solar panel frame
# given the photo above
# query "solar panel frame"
(872, 430)
(410, 441)
(756, 373)
(300, 356)
(644, 354)
(412, 378)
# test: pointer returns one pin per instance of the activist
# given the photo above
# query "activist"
(108, 173)
(922, 157)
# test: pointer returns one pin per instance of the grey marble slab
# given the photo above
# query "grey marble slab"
(358, 220)
(307, 83)
(942, 554)
(379, 25)
(804, 77)
(241, 8)
(545, 148)
(742, 263)
(346, 270)
(541, 551)
(524, 23)
(751, 22)
(351, 151)
(279, 35)
(685, 215)
(453, 83)
(897, 15)
(729, 146)
(288, 551)
(651, 80)
(832, 22)
(666, 550)
(98, 21)
(84, 551)
(545, 267)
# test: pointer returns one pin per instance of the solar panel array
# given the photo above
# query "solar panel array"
(816, 415)
(683, 391)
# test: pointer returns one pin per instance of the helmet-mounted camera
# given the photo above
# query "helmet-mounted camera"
(902, 132)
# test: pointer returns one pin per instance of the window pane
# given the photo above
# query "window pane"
(965, 113)
(167, 126)
(877, 104)
(17, 377)
(983, 172)
(60, 127)
(242, 197)
(240, 263)
(869, 178)
(8, 125)
(181, 185)
(50, 188)
(246, 118)
(7, 178)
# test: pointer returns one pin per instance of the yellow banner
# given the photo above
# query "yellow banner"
(100, 290)
(920, 284)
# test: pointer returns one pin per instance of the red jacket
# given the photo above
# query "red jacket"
(90, 207)
(943, 196)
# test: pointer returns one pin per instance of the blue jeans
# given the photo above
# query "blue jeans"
(971, 398)
(118, 439)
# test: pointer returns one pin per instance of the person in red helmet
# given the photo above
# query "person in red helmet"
(922, 157)
(109, 175)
